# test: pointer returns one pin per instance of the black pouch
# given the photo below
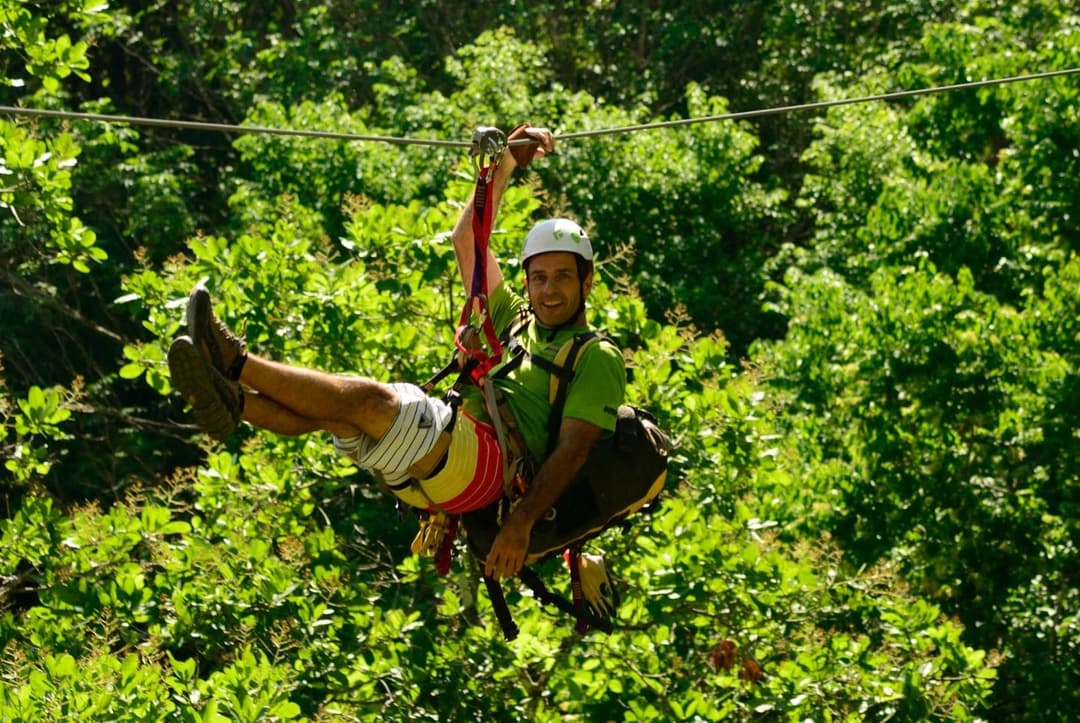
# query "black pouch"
(625, 471)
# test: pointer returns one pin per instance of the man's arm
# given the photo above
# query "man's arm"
(510, 548)
(462, 235)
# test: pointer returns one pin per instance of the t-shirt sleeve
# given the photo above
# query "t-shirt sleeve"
(504, 305)
(598, 387)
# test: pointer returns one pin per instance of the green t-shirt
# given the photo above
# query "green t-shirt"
(594, 395)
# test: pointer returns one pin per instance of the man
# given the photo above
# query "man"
(429, 454)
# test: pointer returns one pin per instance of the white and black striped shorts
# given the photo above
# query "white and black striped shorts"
(419, 421)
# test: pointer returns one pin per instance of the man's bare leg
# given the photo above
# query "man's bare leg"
(334, 402)
(263, 412)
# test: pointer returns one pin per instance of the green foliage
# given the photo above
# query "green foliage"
(924, 385)
(259, 581)
(27, 454)
(684, 201)
(36, 52)
(873, 517)
(938, 399)
(988, 379)
(35, 199)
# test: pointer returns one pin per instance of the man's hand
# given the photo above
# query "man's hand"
(523, 153)
(508, 551)
(511, 545)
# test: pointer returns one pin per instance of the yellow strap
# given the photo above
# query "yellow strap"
(560, 362)
(421, 468)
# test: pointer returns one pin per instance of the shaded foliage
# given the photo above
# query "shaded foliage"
(922, 377)
(875, 514)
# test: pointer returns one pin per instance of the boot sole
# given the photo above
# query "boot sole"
(196, 382)
(198, 324)
(202, 335)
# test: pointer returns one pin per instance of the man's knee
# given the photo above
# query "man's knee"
(370, 405)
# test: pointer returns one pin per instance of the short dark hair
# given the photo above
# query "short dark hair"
(584, 266)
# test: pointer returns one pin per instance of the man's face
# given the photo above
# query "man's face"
(554, 288)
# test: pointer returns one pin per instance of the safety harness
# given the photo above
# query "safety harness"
(473, 362)
(487, 148)
(442, 527)
(561, 371)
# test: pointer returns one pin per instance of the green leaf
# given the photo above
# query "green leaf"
(131, 371)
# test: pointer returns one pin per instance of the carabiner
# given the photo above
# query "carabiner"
(488, 142)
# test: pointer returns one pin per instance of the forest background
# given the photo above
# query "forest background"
(860, 324)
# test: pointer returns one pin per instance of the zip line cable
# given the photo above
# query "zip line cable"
(824, 104)
(223, 127)
(738, 115)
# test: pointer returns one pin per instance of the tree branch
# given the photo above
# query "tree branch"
(27, 290)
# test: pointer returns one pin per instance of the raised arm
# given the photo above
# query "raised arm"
(462, 236)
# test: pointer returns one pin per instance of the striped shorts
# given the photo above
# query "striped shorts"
(469, 479)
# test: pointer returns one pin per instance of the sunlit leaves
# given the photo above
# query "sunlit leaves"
(27, 433)
(48, 55)
(916, 427)
(35, 168)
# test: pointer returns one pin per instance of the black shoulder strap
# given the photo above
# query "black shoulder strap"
(514, 350)
(564, 368)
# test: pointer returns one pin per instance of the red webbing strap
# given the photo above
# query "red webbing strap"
(446, 550)
(478, 296)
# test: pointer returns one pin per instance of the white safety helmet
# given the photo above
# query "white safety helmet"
(556, 234)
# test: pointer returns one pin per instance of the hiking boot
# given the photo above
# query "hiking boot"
(216, 402)
(224, 351)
